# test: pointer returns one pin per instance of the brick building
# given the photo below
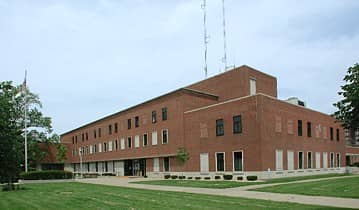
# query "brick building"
(231, 123)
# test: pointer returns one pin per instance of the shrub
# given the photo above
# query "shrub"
(174, 177)
(356, 164)
(239, 177)
(181, 177)
(252, 178)
(51, 174)
(197, 178)
(108, 174)
(145, 176)
(207, 178)
(217, 177)
(167, 176)
(227, 176)
(189, 177)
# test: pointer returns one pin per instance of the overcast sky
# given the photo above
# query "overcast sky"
(89, 59)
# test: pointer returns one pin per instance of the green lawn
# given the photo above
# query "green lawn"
(89, 196)
(346, 187)
(229, 184)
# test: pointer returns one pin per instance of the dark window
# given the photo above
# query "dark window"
(94, 148)
(164, 137)
(300, 160)
(164, 113)
(128, 123)
(73, 140)
(331, 133)
(104, 147)
(309, 129)
(116, 145)
(154, 117)
(94, 133)
(137, 121)
(237, 124)
(145, 141)
(87, 136)
(220, 161)
(238, 166)
(219, 127)
(331, 160)
(338, 160)
(116, 127)
(300, 128)
(166, 164)
(99, 132)
(309, 165)
(110, 129)
(337, 134)
(129, 142)
(82, 137)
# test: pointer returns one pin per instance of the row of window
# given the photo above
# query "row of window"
(220, 161)
(122, 144)
(97, 133)
(309, 130)
(237, 125)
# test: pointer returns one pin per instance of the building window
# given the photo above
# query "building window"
(252, 87)
(331, 133)
(110, 129)
(129, 142)
(154, 117)
(338, 160)
(278, 160)
(94, 148)
(116, 127)
(87, 136)
(128, 123)
(104, 147)
(309, 160)
(309, 129)
(166, 164)
(164, 136)
(99, 132)
(116, 144)
(300, 160)
(137, 121)
(237, 124)
(145, 140)
(164, 113)
(238, 161)
(219, 161)
(94, 133)
(82, 137)
(73, 140)
(300, 128)
(331, 160)
(219, 127)
(337, 134)
(154, 138)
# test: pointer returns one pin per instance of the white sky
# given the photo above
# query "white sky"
(89, 59)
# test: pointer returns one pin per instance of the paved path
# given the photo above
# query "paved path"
(235, 192)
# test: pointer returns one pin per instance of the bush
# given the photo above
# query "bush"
(189, 177)
(252, 178)
(145, 176)
(167, 176)
(207, 178)
(174, 177)
(197, 178)
(182, 177)
(227, 176)
(239, 177)
(108, 174)
(217, 177)
(355, 164)
(51, 174)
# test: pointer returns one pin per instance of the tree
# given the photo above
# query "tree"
(182, 156)
(348, 107)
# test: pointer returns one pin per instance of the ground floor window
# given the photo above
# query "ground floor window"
(338, 160)
(331, 160)
(325, 160)
(279, 160)
(300, 160)
(220, 161)
(238, 161)
(156, 165)
(204, 162)
(309, 160)
(166, 164)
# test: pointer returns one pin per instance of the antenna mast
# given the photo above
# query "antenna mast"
(205, 36)
(224, 59)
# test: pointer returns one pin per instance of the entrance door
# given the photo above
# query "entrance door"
(128, 168)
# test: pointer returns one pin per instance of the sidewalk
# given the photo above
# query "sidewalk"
(234, 192)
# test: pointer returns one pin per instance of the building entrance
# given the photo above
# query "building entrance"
(136, 167)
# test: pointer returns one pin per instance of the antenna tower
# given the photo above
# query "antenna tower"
(205, 36)
(224, 59)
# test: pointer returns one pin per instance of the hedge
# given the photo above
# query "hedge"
(227, 176)
(181, 177)
(174, 177)
(217, 177)
(51, 174)
(167, 176)
(252, 178)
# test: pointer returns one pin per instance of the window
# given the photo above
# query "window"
(83, 137)
(325, 160)
(219, 161)
(128, 123)
(156, 164)
(166, 164)
(331, 133)
(94, 133)
(309, 160)
(164, 136)
(238, 161)
(252, 86)
(338, 160)
(145, 140)
(73, 140)
(104, 147)
(116, 144)
(154, 138)
(300, 128)
(331, 160)
(164, 113)
(122, 143)
(137, 141)
(154, 117)
(129, 142)
(219, 127)
(337, 134)
(87, 136)
(137, 121)
(204, 162)
(290, 160)
(300, 160)
(94, 148)
(279, 160)
(317, 160)
(99, 132)
(110, 129)
(116, 127)
(309, 129)
(237, 124)
(110, 145)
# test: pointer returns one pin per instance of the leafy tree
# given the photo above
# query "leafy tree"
(348, 107)
(182, 156)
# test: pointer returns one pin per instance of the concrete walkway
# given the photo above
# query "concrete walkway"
(235, 192)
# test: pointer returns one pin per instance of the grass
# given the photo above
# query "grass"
(346, 188)
(229, 184)
(90, 196)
